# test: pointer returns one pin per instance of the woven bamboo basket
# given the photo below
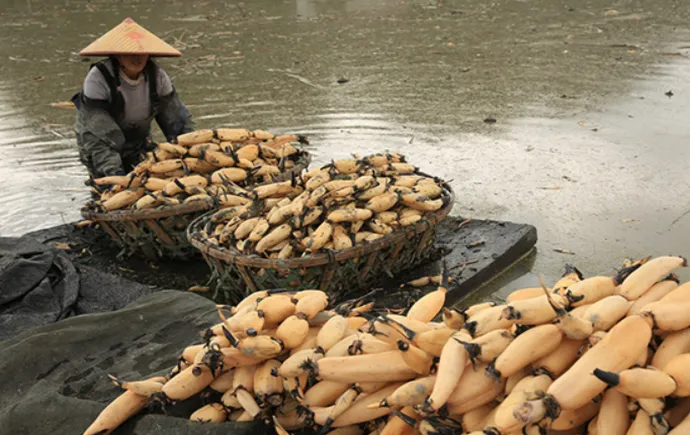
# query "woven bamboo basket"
(161, 232)
(339, 273)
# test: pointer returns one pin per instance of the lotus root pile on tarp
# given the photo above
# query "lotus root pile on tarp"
(607, 354)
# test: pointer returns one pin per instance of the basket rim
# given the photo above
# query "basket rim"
(149, 213)
(177, 209)
(253, 260)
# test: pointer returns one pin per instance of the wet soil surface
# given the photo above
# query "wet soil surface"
(474, 251)
(93, 248)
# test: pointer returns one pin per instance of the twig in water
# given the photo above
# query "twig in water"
(675, 221)
(244, 14)
(475, 244)
(297, 77)
(465, 222)
(463, 265)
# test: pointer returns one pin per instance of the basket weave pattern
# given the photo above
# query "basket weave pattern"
(157, 236)
(339, 273)
(161, 232)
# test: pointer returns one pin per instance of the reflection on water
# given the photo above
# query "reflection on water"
(420, 77)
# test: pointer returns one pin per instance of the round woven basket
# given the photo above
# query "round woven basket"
(340, 272)
(161, 232)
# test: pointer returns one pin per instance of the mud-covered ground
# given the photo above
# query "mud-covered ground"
(473, 251)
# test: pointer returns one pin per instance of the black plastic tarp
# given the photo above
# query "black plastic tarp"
(40, 285)
(54, 378)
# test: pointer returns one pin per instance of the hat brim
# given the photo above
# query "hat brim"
(124, 53)
(129, 38)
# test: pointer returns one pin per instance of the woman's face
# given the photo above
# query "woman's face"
(133, 64)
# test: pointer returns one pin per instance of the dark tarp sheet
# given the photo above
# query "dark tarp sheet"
(40, 285)
(54, 377)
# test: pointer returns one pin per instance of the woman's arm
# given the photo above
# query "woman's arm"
(172, 116)
(101, 141)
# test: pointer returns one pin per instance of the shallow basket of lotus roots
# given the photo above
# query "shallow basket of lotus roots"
(337, 246)
(147, 211)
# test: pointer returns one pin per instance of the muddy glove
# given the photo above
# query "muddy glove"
(105, 161)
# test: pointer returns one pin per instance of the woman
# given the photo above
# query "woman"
(121, 97)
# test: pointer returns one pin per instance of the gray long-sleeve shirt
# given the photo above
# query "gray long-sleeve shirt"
(134, 92)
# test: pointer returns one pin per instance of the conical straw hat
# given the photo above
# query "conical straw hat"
(129, 37)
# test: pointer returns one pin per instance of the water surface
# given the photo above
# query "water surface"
(587, 147)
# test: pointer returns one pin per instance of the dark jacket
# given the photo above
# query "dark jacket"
(106, 147)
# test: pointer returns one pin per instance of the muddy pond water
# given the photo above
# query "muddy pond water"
(588, 145)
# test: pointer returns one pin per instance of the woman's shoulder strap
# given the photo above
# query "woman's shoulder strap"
(112, 80)
(152, 78)
(116, 105)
